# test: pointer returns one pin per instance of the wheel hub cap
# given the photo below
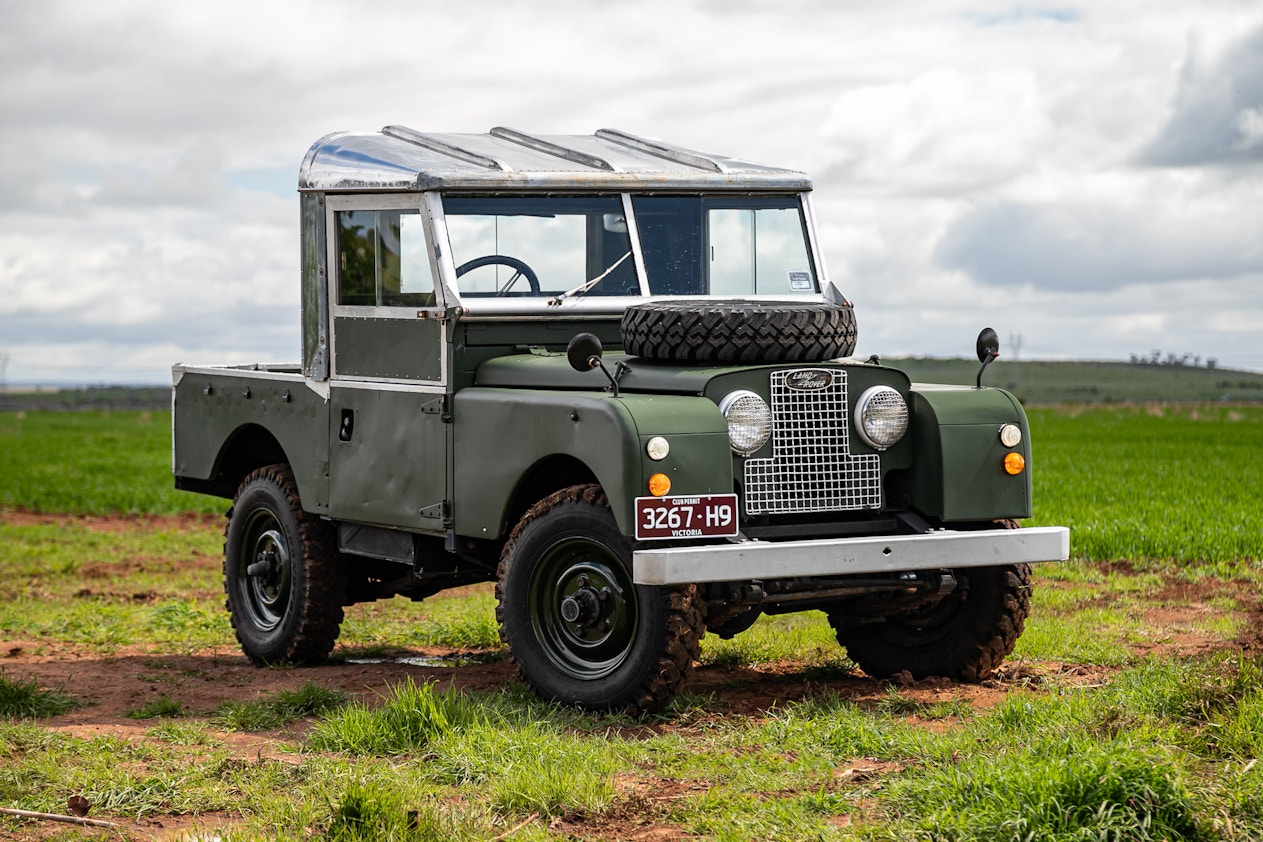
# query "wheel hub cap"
(582, 607)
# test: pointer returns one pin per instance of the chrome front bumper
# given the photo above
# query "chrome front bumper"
(747, 560)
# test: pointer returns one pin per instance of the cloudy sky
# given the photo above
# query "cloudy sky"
(1086, 177)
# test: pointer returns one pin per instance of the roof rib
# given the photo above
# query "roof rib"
(431, 142)
(550, 148)
(661, 150)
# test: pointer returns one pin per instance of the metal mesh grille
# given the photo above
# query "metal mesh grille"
(811, 468)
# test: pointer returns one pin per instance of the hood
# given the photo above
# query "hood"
(551, 370)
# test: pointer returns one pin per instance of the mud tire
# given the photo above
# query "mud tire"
(739, 331)
(291, 614)
(965, 637)
(642, 658)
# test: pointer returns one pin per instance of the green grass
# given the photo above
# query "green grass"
(1123, 478)
(1162, 751)
(92, 463)
(162, 707)
(279, 709)
(1147, 749)
(23, 698)
(1165, 483)
(68, 582)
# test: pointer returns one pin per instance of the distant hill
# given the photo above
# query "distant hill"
(1034, 382)
(90, 397)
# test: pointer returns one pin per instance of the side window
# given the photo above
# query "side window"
(382, 259)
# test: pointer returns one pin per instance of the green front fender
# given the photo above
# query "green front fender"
(958, 473)
(501, 434)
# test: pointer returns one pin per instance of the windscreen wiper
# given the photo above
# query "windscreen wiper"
(587, 285)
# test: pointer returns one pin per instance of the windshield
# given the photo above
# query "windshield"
(715, 245)
(540, 246)
(580, 246)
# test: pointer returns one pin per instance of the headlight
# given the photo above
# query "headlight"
(749, 421)
(881, 416)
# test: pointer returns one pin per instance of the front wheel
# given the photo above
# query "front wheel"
(282, 572)
(580, 631)
(965, 635)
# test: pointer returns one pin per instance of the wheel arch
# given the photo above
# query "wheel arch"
(247, 448)
(550, 474)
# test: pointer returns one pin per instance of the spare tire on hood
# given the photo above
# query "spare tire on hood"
(739, 331)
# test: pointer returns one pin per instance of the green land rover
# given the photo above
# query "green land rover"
(612, 376)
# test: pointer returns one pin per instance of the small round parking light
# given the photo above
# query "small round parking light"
(657, 448)
(1010, 435)
(659, 485)
(1014, 463)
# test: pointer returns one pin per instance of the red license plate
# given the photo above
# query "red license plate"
(713, 515)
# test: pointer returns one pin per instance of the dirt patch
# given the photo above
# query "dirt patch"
(187, 522)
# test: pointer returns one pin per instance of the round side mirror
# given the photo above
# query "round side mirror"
(583, 352)
(988, 345)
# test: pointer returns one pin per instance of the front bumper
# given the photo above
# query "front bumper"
(748, 560)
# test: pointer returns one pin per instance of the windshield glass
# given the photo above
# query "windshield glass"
(507, 246)
(724, 246)
(566, 247)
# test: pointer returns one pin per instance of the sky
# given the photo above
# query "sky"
(1086, 178)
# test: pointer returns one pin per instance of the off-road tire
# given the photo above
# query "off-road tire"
(739, 331)
(569, 543)
(292, 614)
(965, 637)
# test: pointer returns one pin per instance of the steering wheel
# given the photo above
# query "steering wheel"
(521, 270)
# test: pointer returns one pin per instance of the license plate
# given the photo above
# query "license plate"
(713, 515)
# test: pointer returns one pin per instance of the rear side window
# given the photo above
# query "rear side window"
(382, 259)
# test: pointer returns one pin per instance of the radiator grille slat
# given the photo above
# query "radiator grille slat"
(811, 468)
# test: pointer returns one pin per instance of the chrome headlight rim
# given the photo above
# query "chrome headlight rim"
(747, 441)
(881, 432)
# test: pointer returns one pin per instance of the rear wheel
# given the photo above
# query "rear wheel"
(580, 631)
(965, 635)
(282, 572)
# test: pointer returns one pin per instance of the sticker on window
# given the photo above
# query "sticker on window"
(801, 282)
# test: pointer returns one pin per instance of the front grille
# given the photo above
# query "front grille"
(812, 468)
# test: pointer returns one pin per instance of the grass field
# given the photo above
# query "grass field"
(1131, 710)
(1135, 481)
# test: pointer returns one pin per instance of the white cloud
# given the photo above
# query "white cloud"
(944, 131)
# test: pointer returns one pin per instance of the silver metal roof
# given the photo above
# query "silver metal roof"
(401, 159)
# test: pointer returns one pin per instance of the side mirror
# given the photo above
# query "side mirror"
(988, 345)
(988, 350)
(584, 352)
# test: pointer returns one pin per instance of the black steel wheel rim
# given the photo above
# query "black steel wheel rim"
(265, 595)
(583, 609)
